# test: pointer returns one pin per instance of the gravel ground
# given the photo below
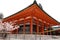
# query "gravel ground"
(30, 37)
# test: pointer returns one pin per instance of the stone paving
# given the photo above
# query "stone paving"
(30, 37)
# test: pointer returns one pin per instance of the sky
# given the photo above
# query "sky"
(9, 7)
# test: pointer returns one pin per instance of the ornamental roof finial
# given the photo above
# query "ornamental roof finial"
(35, 1)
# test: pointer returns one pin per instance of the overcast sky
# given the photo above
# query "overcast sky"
(9, 7)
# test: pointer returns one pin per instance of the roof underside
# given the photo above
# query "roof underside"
(33, 10)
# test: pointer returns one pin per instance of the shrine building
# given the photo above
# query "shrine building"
(32, 20)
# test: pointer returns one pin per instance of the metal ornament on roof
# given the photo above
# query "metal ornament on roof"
(35, 1)
(40, 6)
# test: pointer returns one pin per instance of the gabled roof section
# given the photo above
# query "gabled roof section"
(35, 2)
(22, 10)
(29, 9)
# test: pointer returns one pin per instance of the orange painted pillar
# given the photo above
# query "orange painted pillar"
(42, 29)
(37, 27)
(47, 28)
(31, 26)
(17, 31)
(24, 27)
(50, 30)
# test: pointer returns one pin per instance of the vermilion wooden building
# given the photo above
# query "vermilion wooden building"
(32, 19)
